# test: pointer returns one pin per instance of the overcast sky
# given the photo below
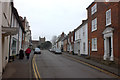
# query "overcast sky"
(52, 17)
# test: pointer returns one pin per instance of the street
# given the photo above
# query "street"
(50, 65)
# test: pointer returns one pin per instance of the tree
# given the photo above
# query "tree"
(46, 45)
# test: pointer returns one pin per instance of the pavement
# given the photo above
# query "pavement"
(105, 67)
(18, 69)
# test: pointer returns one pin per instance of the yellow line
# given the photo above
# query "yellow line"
(34, 69)
(94, 67)
(37, 70)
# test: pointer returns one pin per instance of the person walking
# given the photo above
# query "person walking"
(27, 52)
(21, 54)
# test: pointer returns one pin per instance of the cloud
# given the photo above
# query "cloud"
(52, 17)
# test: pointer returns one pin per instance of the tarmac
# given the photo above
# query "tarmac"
(106, 67)
(22, 69)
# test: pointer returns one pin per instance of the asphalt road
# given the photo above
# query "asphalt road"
(52, 65)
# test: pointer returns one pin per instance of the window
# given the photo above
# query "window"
(84, 47)
(108, 17)
(83, 33)
(14, 46)
(94, 9)
(79, 34)
(94, 24)
(94, 44)
(72, 39)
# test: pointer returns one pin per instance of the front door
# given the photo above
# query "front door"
(108, 44)
(110, 48)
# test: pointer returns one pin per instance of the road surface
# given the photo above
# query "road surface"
(50, 65)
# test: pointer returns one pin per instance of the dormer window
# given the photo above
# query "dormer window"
(94, 9)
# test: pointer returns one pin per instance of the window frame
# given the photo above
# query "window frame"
(94, 24)
(108, 16)
(94, 9)
(94, 44)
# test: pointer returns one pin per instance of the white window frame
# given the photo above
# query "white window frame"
(94, 44)
(108, 17)
(94, 9)
(94, 24)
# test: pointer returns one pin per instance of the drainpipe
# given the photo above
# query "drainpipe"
(0, 41)
(10, 35)
(89, 48)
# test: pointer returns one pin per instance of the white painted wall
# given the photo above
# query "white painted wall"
(59, 45)
(77, 42)
(6, 15)
(84, 39)
(20, 38)
(15, 37)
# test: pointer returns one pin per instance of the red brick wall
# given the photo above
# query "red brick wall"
(65, 45)
(119, 36)
(101, 22)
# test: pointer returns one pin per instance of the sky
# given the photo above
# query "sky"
(48, 18)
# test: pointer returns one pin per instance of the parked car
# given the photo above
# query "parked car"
(58, 51)
(37, 51)
(51, 50)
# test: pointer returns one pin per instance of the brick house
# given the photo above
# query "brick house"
(72, 39)
(59, 41)
(69, 46)
(103, 30)
(35, 43)
(65, 42)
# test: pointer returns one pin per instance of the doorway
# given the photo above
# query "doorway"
(109, 47)
(108, 44)
(108, 55)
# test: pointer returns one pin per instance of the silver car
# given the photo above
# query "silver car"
(37, 51)
(58, 51)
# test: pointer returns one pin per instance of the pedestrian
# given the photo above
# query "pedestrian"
(21, 54)
(27, 52)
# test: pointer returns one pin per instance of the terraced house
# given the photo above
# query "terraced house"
(11, 33)
(81, 39)
(16, 39)
(5, 32)
(104, 30)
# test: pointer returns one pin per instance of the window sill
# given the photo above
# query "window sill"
(93, 13)
(108, 24)
(94, 50)
(94, 30)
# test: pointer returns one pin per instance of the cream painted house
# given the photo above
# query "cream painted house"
(10, 33)
(81, 39)
(16, 39)
(5, 31)
(84, 39)
(77, 41)
(27, 36)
